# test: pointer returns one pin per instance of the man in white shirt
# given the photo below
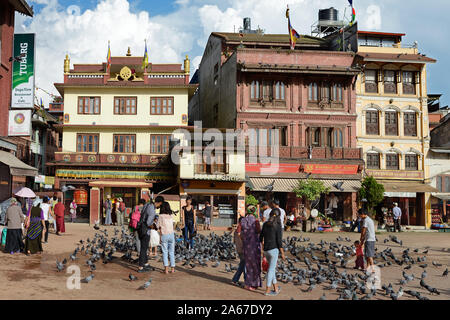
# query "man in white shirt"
(48, 215)
(276, 204)
(397, 217)
(265, 210)
(368, 238)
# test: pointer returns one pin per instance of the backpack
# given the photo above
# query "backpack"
(135, 217)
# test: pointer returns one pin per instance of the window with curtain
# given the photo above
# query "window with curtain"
(371, 81)
(87, 142)
(390, 85)
(159, 143)
(88, 105)
(391, 123)
(124, 143)
(372, 126)
(392, 161)
(373, 161)
(125, 105)
(408, 79)
(410, 124)
(411, 162)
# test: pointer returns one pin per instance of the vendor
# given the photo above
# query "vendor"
(333, 201)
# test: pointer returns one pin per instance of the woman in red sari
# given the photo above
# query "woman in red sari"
(59, 213)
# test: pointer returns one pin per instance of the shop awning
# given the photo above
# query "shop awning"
(213, 191)
(135, 184)
(405, 187)
(288, 185)
(442, 196)
(17, 167)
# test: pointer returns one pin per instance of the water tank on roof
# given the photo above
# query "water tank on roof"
(330, 14)
(247, 24)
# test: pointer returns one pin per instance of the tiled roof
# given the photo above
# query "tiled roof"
(288, 185)
(280, 39)
(22, 7)
(395, 57)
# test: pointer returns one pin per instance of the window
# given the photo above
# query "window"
(389, 82)
(125, 105)
(439, 183)
(372, 126)
(88, 105)
(408, 82)
(373, 161)
(212, 164)
(410, 127)
(326, 91)
(279, 90)
(337, 92)
(254, 90)
(312, 92)
(392, 161)
(371, 81)
(161, 105)
(125, 143)
(159, 143)
(267, 90)
(447, 184)
(316, 137)
(337, 138)
(391, 123)
(87, 142)
(411, 162)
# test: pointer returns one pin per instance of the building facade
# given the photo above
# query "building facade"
(116, 129)
(392, 124)
(255, 83)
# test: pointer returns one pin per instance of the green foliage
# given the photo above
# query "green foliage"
(311, 189)
(372, 191)
(250, 200)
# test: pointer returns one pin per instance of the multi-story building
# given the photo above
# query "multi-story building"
(252, 80)
(118, 121)
(392, 124)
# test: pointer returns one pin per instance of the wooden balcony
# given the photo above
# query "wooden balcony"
(107, 159)
(302, 153)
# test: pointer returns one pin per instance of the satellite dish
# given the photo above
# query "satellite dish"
(314, 213)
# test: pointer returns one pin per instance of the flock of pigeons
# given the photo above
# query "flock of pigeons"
(310, 264)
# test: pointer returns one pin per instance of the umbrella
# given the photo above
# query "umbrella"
(25, 193)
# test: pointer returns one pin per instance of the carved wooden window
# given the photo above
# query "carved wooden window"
(392, 161)
(373, 161)
(87, 142)
(124, 143)
(279, 90)
(326, 91)
(161, 105)
(371, 81)
(254, 90)
(338, 140)
(411, 162)
(159, 143)
(390, 85)
(312, 92)
(337, 92)
(410, 124)
(212, 164)
(125, 105)
(409, 86)
(391, 122)
(372, 126)
(88, 105)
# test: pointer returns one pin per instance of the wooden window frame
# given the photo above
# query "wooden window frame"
(390, 84)
(412, 84)
(259, 87)
(124, 143)
(212, 167)
(338, 136)
(374, 83)
(162, 99)
(387, 126)
(409, 129)
(81, 108)
(154, 148)
(94, 145)
(371, 163)
(313, 92)
(124, 105)
(388, 161)
(369, 128)
(408, 162)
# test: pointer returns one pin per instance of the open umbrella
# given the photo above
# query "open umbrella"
(25, 193)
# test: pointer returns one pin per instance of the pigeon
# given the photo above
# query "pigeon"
(145, 285)
(424, 274)
(93, 267)
(227, 268)
(215, 265)
(59, 266)
(88, 279)
(436, 264)
(425, 252)
(132, 277)
(407, 267)
(445, 272)
(423, 266)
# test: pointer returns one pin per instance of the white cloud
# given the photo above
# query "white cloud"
(373, 19)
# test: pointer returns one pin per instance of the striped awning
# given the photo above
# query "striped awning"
(288, 185)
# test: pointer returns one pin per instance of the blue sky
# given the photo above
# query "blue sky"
(82, 28)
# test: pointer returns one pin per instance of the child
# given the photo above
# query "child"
(359, 256)
(154, 240)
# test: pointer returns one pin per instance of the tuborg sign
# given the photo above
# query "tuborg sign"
(23, 72)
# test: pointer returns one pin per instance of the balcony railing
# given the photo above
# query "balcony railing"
(303, 153)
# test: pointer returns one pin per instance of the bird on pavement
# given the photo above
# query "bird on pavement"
(132, 277)
(88, 279)
(445, 272)
(145, 285)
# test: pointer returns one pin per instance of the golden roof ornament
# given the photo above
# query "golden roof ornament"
(187, 64)
(67, 64)
(125, 73)
(129, 52)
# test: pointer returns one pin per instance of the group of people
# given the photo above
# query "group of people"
(33, 226)
(114, 211)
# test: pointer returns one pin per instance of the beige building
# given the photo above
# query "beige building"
(392, 124)
(118, 122)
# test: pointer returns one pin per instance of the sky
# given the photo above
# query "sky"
(176, 28)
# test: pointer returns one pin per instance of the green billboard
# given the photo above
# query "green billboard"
(23, 72)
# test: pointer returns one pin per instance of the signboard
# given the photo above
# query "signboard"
(39, 179)
(19, 123)
(397, 174)
(331, 168)
(23, 72)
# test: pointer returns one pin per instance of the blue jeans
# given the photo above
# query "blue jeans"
(240, 270)
(168, 249)
(188, 231)
(272, 258)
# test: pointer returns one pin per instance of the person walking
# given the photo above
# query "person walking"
(120, 211)
(367, 237)
(240, 252)
(249, 230)
(48, 215)
(207, 212)
(35, 227)
(397, 217)
(265, 211)
(165, 227)
(276, 205)
(59, 211)
(108, 208)
(134, 220)
(189, 223)
(73, 210)
(147, 218)
(14, 220)
(270, 239)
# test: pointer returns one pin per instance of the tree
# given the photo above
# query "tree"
(310, 189)
(251, 200)
(372, 191)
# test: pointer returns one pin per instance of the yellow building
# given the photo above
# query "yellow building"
(392, 124)
(118, 121)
